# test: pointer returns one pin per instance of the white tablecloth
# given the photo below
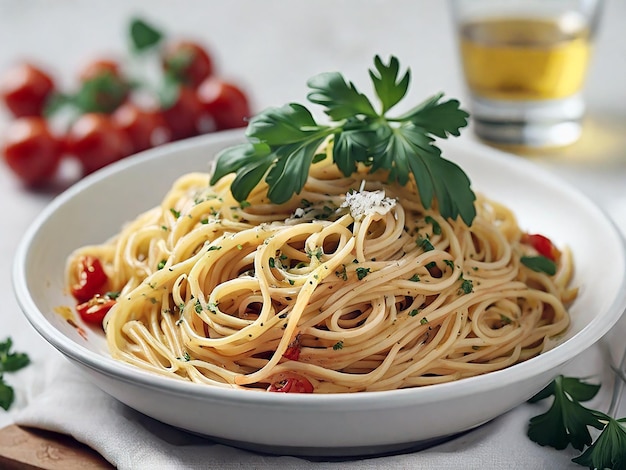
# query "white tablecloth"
(271, 47)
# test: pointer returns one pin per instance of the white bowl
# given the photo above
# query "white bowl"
(308, 424)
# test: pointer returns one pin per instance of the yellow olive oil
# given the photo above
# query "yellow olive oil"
(524, 59)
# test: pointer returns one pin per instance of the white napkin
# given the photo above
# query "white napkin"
(70, 404)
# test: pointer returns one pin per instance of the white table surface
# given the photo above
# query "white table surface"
(271, 47)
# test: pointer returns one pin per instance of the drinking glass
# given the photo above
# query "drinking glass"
(524, 63)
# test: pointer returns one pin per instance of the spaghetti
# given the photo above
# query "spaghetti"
(351, 286)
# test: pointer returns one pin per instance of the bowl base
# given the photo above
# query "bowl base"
(337, 454)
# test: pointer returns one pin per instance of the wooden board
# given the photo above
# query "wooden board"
(34, 449)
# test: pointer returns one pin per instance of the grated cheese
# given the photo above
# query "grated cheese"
(363, 203)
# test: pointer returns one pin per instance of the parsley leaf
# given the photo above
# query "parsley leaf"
(143, 36)
(440, 119)
(6, 394)
(434, 223)
(609, 449)
(362, 272)
(539, 264)
(341, 99)
(388, 87)
(283, 142)
(567, 420)
(9, 362)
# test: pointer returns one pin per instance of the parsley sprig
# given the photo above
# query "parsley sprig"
(567, 422)
(9, 362)
(283, 142)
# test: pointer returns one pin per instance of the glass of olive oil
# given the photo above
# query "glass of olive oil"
(524, 63)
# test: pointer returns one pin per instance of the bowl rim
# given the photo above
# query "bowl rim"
(546, 361)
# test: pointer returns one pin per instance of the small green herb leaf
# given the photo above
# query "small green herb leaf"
(351, 147)
(340, 98)
(291, 170)
(467, 286)
(6, 395)
(289, 124)
(9, 362)
(425, 244)
(143, 36)
(362, 272)
(236, 157)
(539, 264)
(319, 157)
(438, 118)
(389, 88)
(434, 223)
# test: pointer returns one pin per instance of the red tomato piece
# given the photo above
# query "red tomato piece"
(542, 244)
(293, 350)
(31, 150)
(295, 384)
(104, 87)
(94, 310)
(224, 102)
(25, 90)
(188, 62)
(292, 353)
(96, 141)
(90, 279)
(146, 128)
(183, 116)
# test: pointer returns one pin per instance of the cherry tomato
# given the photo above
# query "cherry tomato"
(31, 150)
(188, 62)
(90, 279)
(103, 87)
(226, 103)
(94, 310)
(146, 128)
(542, 244)
(295, 384)
(97, 142)
(183, 116)
(25, 89)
